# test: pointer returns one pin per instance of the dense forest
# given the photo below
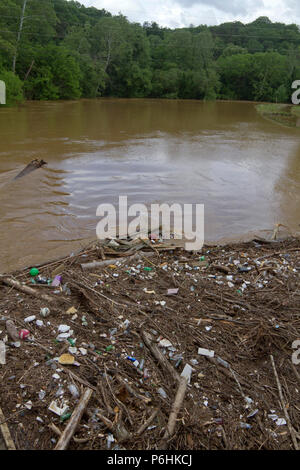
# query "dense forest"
(58, 49)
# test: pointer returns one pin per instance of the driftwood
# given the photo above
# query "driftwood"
(107, 262)
(175, 409)
(27, 290)
(283, 406)
(159, 356)
(33, 165)
(5, 433)
(74, 421)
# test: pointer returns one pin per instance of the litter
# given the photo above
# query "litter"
(165, 343)
(63, 328)
(58, 409)
(45, 312)
(172, 291)
(56, 281)
(2, 353)
(66, 359)
(206, 352)
(135, 348)
(23, 334)
(29, 319)
(187, 372)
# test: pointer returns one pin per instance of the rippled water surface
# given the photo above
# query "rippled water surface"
(244, 169)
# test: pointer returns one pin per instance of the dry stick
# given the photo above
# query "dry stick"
(121, 405)
(175, 409)
(226, 371)
(58, 432)
(222, 298)
(11, 416)
(5, 433)
(85, 286)
(132, 391)
(107, 262)
(79, 379)
(291, 429)
(159, 356)
(34, 343)
(117, 427)
(220, 267)
(147, 423)
(27, 290)
(296, 372)
(109, 408)
(238, 383)
(74, 421)
(102, 253)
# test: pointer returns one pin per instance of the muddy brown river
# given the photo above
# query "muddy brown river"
(243, 168)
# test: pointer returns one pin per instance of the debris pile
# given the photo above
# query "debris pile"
(138, 344)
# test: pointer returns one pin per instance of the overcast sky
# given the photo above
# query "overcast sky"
(178, 13)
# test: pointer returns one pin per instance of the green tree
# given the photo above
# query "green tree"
(14, 87)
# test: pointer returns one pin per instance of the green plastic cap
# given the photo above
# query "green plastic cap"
(34, 272)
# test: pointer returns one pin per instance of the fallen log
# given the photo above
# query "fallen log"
(33, 165)
(27, 290)
(74, 421)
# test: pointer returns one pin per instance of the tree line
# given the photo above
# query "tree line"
(58, 49)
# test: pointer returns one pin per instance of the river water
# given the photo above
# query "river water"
(243, 168)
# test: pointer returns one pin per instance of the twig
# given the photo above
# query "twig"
(147, 423)
(102, 253)
(58, 432)
(159, 356)
(79, 379)
(107, 262)
(27, 290)
(6, 433)
(296, 372)
(117, 427)
(291, 429)
(130, 390)
(74, 421)
(175, 410)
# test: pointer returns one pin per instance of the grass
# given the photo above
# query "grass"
(273, 108)
(284, 114)
(296, 110)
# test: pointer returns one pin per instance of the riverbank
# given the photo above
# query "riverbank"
(120, 332)
(285, 114)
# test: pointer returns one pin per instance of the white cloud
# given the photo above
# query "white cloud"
(179, 13)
